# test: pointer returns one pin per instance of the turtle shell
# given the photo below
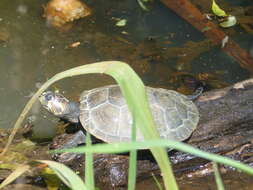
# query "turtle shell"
(104, 113)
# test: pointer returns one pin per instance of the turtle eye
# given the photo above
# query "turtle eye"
(49, 97)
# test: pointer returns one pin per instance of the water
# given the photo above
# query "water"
(231, 181)
(31, 52)
(34, 51)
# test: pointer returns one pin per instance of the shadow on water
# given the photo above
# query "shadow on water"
(31, 51)
(231, 180)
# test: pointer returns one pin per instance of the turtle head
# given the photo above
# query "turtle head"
(60, 106)
(55, 103)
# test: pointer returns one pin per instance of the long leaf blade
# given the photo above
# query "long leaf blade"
(70, 179)
(130, 85)
(89, 173)
(124, 147)
(14, 175)
(132, 162)
(217, 175)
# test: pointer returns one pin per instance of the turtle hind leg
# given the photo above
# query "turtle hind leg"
(196, 94)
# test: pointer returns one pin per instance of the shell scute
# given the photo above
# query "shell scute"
(181, 110)
(105, 118)
(97, 98)
(164, 99)
(173, 119)
(110, 120)
(115, 96)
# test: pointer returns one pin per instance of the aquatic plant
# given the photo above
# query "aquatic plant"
(134, 92)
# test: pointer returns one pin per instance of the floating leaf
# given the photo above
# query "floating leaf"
(228, 22)
(121, 23)
(217, 10)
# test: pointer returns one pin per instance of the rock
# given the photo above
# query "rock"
(59, 12)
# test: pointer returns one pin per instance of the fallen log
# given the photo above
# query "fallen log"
(225, 128)
(191, 14)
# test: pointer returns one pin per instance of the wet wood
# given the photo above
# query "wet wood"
(225, 128)
(191, 14)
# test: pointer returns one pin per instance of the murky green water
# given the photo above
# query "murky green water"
(32, 52)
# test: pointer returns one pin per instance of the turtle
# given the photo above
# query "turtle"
(103, 112)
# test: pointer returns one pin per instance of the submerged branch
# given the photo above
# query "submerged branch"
(191, 14)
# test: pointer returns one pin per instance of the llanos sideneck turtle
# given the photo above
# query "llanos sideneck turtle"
(104, 113)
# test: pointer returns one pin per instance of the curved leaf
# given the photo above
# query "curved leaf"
(71, 179)
(217, 10)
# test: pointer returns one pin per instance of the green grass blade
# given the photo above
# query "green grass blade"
(158, 184)
(68, 177)
(124, 147)
(132, 162)
(133, 90)
(132, 170)
(89, 173)
(14, 175)
(218, 178)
